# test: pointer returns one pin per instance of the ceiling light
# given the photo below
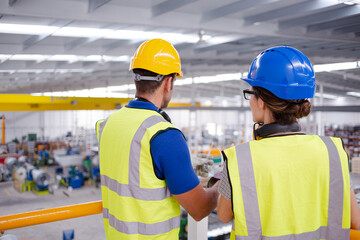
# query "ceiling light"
(229, 76)
(27, 29)
(131, 34)
(29, 57)
(92, 58)
(4, 57)
(179, 37)
(123, 58)
(100, 33)
(335, 66)
(222, 39)
(206, 37)
(185, 81)
(65, 58)
(354, 94)
(82, 32)
(325, 95)
(350, 2)
(29, 71)
(46, 70)
(122, 87)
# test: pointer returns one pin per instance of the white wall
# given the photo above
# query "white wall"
(50, 125)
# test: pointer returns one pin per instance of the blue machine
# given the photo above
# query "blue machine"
(68, 234)
(76, 178)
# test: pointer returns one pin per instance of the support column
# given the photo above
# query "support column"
(197, 230)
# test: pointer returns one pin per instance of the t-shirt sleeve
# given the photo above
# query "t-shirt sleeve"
(224, 186)
(172, 161)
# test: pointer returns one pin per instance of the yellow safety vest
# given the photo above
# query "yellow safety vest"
(289, 188)
(136, 204)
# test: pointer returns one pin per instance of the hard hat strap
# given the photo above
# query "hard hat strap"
(157, 78)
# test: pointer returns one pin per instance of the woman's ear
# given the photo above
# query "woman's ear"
(260, 103)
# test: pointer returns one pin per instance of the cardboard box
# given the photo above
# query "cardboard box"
(355, 165)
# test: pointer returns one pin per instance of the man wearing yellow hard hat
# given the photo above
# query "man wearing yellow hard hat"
(145, 166)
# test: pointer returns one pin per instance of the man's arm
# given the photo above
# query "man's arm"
(173, 164)
(199, 202)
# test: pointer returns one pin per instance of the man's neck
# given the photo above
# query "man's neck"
(151, 98)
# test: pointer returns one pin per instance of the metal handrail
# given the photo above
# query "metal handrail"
(72, 211)
(49, 215)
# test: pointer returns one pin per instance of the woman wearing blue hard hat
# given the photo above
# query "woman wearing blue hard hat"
(286, 184)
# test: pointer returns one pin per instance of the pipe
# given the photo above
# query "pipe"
(49, 215)
(3, 130)
(354, 235)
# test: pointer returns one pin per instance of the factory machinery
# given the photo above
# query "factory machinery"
(72, 171)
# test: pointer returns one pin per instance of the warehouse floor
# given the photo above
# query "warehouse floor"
(89, 227)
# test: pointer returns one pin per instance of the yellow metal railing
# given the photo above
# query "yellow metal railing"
(49, 215)
(73, 211)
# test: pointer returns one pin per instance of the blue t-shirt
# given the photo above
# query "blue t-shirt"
(171, 156)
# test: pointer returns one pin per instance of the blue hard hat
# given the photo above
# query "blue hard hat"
(284, 71)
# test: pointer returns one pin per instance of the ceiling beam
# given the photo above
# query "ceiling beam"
(345, 75)
(232, 8)
(168, 6)
(117, 44)
(12, 2)
(35, 39)
(339, 80)
(342, 11)
(333, 24)
(78, 42)
(348, 29)
(95, 4)
(296, 9)
(334, 88)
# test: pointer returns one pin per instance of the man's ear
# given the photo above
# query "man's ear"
(168, 83)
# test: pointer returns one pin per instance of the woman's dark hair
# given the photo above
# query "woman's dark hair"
(149, 86)
(284, 111)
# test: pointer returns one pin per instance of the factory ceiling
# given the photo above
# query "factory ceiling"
(52, 45)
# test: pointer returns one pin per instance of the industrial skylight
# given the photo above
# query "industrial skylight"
(64, 57)
(11, 71)
(336, 66)
(27, 29)
(354, 94)
(82, 32)
(96, 33)
(350, 2)
(325, 95)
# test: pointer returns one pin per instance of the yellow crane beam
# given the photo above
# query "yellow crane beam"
(26, 102)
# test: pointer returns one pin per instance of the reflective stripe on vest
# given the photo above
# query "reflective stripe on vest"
(142, 228)
(134, 190)
(333, 231)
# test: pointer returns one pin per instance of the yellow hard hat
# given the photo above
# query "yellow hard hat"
(158, 56)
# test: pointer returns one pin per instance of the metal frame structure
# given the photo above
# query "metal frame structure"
(228, 35)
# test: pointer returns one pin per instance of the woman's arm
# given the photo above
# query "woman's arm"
(224, 210)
